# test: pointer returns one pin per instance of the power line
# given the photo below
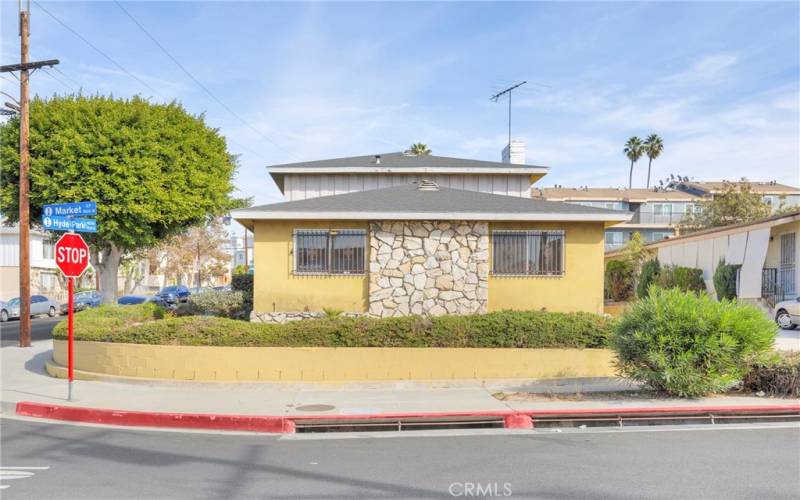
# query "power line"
(96, 49)
(62, 82)
(76, 82)
(200, 84)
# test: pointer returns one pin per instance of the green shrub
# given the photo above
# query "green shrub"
(725, 280)
(619, 280)
(648, 276)
(523, 329)
(688, 344)
(214, 303)
(778, 376)
(99, 323)
(686, 279)
(244, 283)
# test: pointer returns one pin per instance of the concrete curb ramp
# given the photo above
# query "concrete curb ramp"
(288, 424)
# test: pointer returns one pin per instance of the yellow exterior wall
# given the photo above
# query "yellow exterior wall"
(275, 288)
(580, 288)
(773, 258)
(326, 364)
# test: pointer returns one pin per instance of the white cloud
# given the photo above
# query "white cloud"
(709, 69)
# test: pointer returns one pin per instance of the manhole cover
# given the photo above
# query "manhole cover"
(315, 407)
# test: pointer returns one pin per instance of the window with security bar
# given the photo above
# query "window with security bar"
(528, 253)
(321, 251)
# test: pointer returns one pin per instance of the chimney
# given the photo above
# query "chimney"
(514, 153)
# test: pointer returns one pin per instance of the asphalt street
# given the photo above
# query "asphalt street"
(41, 329)
(57, 461)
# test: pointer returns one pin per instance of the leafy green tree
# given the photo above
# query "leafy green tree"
(420, 149)
(736, 204)
(633, 150)
(154, 170)
(653, 147)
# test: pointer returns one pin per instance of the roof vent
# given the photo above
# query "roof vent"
(377, 159)
(427, 185)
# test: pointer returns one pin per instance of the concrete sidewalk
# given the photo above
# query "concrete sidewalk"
(24, 379)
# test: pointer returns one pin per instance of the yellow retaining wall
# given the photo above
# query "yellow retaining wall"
(318, 364)
(276, 288)
(580, 288)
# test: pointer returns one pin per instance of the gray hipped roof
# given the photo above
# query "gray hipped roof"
(398, 161)
(412, 203)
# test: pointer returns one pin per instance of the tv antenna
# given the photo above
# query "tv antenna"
(497, 96)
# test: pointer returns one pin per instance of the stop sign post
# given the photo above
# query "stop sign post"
(72, 258)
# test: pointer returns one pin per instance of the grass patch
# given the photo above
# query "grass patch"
(503, 329)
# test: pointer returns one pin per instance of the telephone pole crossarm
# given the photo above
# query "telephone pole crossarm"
(28, 66)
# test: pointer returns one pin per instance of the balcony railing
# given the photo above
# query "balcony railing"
(651, 218)
(614, 246)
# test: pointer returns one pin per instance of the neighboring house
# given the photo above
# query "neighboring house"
(44, 277)
(654, 212)
(397, 234)
(767, 251)
(773, 193)
(236, 250)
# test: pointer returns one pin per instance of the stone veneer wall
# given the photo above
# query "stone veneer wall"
(428, 267)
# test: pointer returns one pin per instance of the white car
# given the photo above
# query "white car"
(787, 314)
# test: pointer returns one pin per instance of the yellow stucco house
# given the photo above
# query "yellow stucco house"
(398, 234)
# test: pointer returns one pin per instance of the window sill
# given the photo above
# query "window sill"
(330, 275)
(496, 275)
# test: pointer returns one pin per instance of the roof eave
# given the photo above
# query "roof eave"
(376, 169)
(245, 214)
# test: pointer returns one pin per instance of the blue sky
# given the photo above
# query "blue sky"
(719, 82)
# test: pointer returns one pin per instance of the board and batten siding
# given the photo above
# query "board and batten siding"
(305, 186)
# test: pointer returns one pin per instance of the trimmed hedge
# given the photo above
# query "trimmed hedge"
(96, 322)
(725, 280)
(214, 303)
(686, 279)
(520, 329)
(688, 344)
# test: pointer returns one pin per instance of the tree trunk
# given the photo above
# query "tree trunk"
(630, 177)
(106, 263)
(649, 163)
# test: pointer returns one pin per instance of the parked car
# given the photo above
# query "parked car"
(128, 300)
(224, 288)
(39, 305)
(83, 300)
(174, 294)
(787, 314)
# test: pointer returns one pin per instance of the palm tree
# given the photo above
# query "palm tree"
(653, 146)
(633, 150)
(420, 149)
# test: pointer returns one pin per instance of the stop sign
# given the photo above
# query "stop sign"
(72, 255)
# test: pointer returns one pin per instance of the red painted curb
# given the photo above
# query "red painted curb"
(518, 422)
(254, 423)
(524, 419)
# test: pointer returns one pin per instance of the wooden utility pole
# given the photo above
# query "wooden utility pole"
(24, 206)
(25, 68)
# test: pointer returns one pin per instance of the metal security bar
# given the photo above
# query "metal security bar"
(330, 252)
(528, 253)
(787, 265)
